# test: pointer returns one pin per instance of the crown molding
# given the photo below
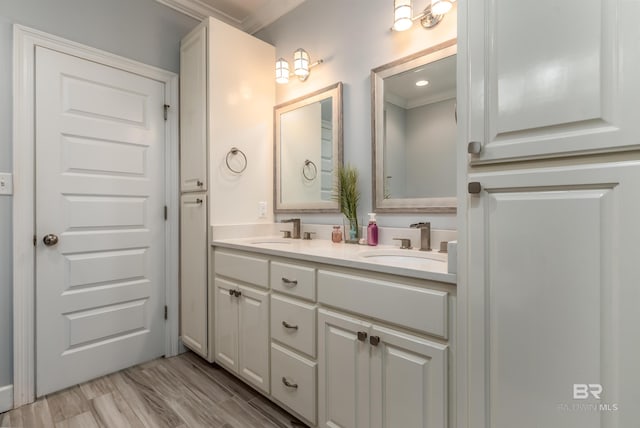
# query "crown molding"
(260, 18)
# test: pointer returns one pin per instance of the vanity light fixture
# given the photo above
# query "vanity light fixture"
(301, 67)
(429, 18)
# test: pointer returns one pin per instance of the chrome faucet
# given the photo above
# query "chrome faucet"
(425, 235)
(296, 227)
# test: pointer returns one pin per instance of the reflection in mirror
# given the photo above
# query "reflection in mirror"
(308, 151)
(414, 132)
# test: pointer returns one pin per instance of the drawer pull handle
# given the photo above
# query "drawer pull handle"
(362, 336)
(291, 282)
(287, 325)
(374, 340)
(289, 384)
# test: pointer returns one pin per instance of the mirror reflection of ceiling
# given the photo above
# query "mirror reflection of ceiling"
(402, 91)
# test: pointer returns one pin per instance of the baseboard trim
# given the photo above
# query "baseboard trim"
(6, 398)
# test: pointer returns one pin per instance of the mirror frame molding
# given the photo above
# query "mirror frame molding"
(334, 91)
(378, 74)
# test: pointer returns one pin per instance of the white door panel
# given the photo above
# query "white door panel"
(553, 87)
(553, 277)
(253, 337)
(226, 325)
(99, 188)
(409, 380)
(343, 378)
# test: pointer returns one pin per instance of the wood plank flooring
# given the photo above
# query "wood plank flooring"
(179, 392)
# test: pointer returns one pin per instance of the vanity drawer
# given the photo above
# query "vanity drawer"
(254, 270)
(405, 305)
(294, 280)
(300, 374)
(300, 318)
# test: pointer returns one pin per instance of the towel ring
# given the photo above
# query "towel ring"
(234, 151)
(307, 162)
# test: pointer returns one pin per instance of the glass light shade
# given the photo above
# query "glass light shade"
(440, 7)
(301, 63)
(402, 12)
(282, 71)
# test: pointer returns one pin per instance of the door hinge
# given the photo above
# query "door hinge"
(35, 240)
(166, 212)
(166, 312)
(166, 111)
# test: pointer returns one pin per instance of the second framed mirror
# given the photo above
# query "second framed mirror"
(414, 132)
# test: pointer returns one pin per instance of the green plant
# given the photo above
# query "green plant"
(347, 193)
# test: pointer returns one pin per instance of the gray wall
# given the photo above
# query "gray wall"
(143, 30)
(353, 37)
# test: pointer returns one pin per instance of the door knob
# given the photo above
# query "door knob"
(199, 183)
(474, 188)
(362, 336)
(474, 147)
(374, 340)
(50, 240)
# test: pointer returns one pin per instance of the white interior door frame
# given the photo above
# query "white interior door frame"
(24, 42)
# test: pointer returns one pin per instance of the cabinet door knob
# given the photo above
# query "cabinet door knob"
(374, 340)
(289, 384)
(237, 293)
(474, 188)
(474, 148)
(362, 336)
(199, 201)
(287, 325)
(199, 183)
(291, 282)
(232, 292)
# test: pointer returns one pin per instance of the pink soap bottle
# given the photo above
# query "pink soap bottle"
(372, 230)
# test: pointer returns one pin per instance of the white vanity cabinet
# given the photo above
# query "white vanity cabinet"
(242, 320)
(373, 375)
(548, 246)
(339, 346)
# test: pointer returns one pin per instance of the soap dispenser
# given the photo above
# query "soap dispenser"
(372, 230)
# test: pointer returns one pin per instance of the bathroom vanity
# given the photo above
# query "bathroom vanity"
(338, 334)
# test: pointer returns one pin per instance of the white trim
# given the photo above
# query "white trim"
(266, 14)
(25, 40)
(6, 398)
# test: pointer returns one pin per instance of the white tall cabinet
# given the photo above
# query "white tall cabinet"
(227, 93)
(548, 282)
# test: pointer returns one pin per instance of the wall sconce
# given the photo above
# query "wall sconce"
(301, 67)
(429, 18)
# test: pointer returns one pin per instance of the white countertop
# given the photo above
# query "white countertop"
(412, 262)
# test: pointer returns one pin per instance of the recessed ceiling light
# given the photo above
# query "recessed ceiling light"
(422, 83)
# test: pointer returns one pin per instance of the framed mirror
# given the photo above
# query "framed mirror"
(308, 151)
(414, 132)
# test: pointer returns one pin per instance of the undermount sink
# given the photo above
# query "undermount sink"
(407, 258)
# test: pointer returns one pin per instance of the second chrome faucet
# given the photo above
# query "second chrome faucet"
(295, 234)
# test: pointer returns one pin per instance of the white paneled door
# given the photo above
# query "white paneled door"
(99, 220)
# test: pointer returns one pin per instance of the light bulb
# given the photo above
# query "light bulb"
(282, 71)
(402, 15)
(301, 63)
(440, 7)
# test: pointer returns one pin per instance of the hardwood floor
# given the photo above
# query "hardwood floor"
(183, 391)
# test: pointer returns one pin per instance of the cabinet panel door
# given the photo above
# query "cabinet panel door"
(193, 111)
(253, 337)
(538, 90)
(553, 274)
(408, 381)
(193, 272)
(226, 325)
(343, 377)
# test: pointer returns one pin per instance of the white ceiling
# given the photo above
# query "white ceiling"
(247, 15)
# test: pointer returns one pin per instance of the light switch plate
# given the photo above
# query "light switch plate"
(6, 183)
